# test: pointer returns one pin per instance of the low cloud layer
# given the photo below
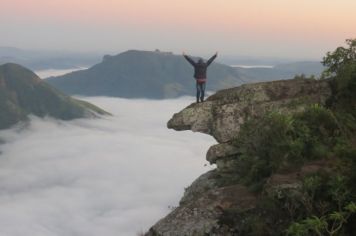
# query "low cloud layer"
(56, 72)
(111, 176)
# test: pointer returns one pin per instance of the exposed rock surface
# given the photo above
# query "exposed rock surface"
(219, 151)
(223, 113)
(221, 116)
(201, 207)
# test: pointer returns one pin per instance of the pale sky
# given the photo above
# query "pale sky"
(273, 28)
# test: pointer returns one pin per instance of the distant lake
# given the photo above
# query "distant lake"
(56, 72)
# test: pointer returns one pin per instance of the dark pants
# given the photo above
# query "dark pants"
(200, 91)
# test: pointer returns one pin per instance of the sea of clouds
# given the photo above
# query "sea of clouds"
(87, 177)
(57, 72)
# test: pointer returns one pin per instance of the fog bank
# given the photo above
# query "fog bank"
(112, 176)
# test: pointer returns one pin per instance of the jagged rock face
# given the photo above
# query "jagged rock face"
(221, 116)
(201, 207)
(223, 113)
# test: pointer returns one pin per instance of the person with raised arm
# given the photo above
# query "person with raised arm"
(200, 74)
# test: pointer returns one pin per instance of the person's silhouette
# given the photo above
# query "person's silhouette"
(200, 69)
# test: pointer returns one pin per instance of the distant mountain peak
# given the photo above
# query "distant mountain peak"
(143, 74)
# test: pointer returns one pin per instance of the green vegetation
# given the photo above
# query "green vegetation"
(319, 202)
(279, 142)
(342, 71)
(330, 224)
(23, 93)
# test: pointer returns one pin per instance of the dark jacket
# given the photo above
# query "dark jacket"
(200, 67)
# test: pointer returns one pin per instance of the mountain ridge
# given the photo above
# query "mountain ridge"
(159, 75)
(143, 74)
(22, 93)
(46, 59)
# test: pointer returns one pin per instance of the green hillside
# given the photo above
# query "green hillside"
(23, 93)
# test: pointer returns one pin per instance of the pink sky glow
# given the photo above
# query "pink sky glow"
(238, 26)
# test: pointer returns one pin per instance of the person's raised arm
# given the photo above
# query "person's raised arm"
(190, 60)
(212, 59)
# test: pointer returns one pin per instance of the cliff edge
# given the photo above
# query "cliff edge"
(286, 158)
(205, 206)
(222, 114)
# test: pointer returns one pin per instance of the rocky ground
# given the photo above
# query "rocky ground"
(214, 193)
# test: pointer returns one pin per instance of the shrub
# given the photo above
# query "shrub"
(282, 142)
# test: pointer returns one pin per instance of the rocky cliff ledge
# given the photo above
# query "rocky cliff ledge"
(213, 194)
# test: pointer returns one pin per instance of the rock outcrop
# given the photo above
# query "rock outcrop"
(221, 116)
(223, 113)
